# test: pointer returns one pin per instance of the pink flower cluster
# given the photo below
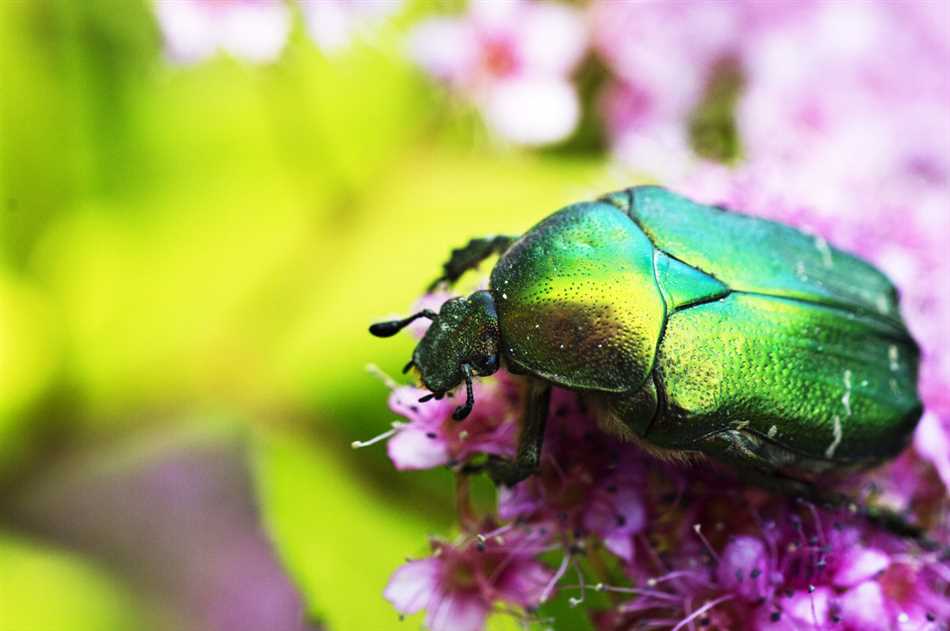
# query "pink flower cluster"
(675, 547)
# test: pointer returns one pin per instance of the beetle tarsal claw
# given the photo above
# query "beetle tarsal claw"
(464, 410)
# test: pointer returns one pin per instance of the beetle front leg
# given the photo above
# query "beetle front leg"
(510, 472)
(469, 256)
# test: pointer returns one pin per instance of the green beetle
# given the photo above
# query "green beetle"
(693, 330)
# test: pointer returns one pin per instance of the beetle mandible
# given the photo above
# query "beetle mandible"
(691, 329)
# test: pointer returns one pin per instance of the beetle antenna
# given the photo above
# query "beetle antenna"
(391, 327)
(427, 397)
(406, 368)
(464, 410)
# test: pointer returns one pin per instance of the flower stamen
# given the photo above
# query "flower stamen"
(699, 612)
(359, 444)
(698, 529)
(376, 371)
(561, 570)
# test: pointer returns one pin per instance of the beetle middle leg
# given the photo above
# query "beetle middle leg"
(510, 472)
(469, 256)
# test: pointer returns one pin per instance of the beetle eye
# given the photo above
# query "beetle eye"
(488, 364)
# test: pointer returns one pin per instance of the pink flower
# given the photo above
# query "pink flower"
(335, 24)
(744, 567)
(433, 438)
(458, 585)
(251, 30)
(513, 61)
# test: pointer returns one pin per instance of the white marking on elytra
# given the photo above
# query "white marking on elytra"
(773, 431)
(830, 452)
(882, 304)
(836, 429)
(846, 397)
(800, 271)
(822, 246)
(893, 355)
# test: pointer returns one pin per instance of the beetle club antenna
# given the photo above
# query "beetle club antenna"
(390, 328)
(464, 410)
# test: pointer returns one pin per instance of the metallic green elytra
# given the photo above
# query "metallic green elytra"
(694, 330)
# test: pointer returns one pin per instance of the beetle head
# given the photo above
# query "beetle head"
(462, 340)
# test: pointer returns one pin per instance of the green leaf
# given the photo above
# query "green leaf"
(42, 589)
(27, 365)
(338, 539)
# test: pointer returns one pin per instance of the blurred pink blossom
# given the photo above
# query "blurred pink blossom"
(513, 60)
(660, 54)
(335, 24)
(251, 30)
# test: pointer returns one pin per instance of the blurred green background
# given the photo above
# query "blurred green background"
(190, 258)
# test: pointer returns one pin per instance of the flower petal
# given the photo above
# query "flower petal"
(862, 607)
(413, 585)
(458, 612)
(188, 30)
(620, 544)
(522, 500)
(333, 24)
(743, 566)
(616, 516)
(415, 448)
(405, 402)
(552, 39)
(255, 31)
(810, 608)
(859, 564)
(446, 48)
(532, 111)
(523, 582)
